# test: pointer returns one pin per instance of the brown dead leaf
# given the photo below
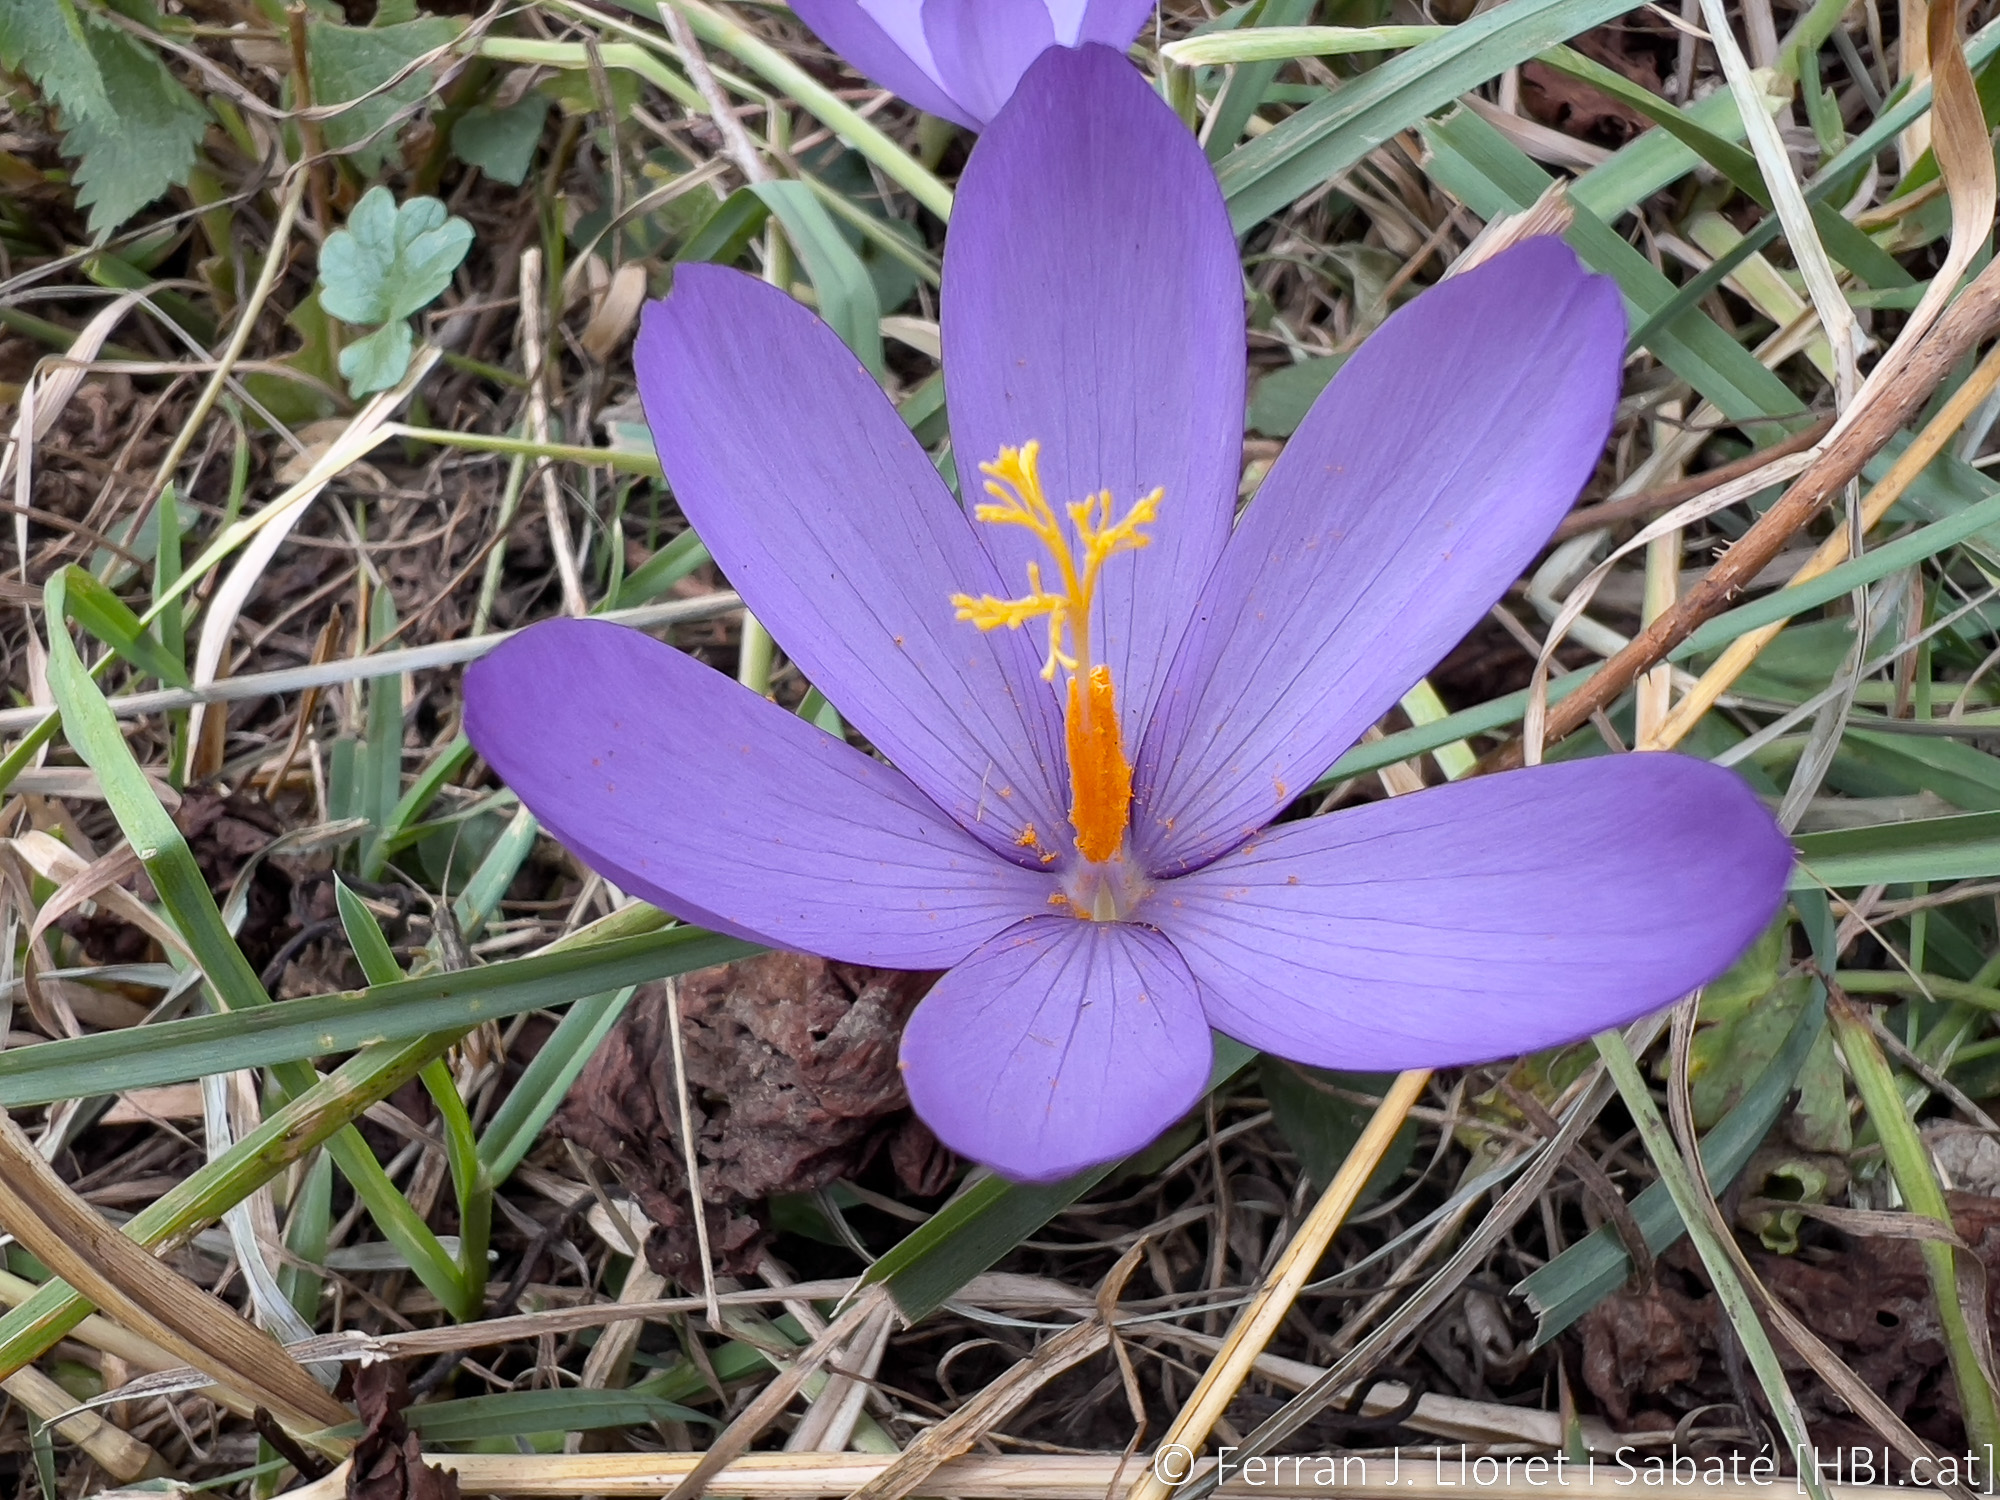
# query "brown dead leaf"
(1866, 1296)
(1579, 110)
(388, 1462)
(792, 1068)
(1642, 1345)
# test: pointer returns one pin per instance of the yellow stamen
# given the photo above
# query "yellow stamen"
(1100, 774)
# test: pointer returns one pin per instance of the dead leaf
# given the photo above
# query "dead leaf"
(792, 1066)
(1642, 1345)
(1577, 109)
(388, 1462)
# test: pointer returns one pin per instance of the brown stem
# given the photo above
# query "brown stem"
(1667, 496)
(1967, 321)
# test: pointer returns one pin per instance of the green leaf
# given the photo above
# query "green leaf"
(106, 616)
(1321, 1126)
(501, 142)
(513, 1413)
(143, 143)
(349, 64)
(176, 1051)
(1853, 248)
(44, 39)
(727, 232)
(1281, 399)
(390, 261)
(1326, 138)
(364, 936)
(1724, 1059)
(1492, 176)
(661, 571)
(1961, 848)
(376, 362)
(519, 1120)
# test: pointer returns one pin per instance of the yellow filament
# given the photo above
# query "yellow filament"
(1100, 775)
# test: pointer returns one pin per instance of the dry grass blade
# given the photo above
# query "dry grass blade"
(1740, 653)
(1810, 1347)
(534, 346)
(774, 1476)
(1254, 1327)
(735, 1439)
(1648, 503)
(130, 1286)
(376, 664)
(110, 1447)
(1001, 1398)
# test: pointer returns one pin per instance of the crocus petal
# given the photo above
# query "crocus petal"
(1060, 1044)
(1112, 22)
(827, 514)
(884, 40)
(1423, 480)
(1483, 919)
(982, 47)
(679, 785)
(1092, 302)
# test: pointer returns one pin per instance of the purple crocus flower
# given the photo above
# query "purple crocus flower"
(1094, 694)
(961, 58)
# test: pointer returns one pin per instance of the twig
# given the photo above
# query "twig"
(735, 139)
(1870, 426)
(1667, 496)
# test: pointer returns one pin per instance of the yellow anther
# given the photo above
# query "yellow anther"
(1100, 775)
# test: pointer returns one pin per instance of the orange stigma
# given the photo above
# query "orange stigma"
(1100, 776)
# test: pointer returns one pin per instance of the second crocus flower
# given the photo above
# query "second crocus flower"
(960, 59)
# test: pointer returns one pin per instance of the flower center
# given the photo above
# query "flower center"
(1100, 776)
(1103, 891)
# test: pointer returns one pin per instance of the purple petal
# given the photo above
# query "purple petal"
(1092, 302)
(679, 785)
(1112, 22)
(983, 47)
(1483, 919)
(826, 513)
(1423, 480)
(1060, 1044)
(884, 40)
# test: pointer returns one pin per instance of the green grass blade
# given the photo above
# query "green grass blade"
(1916, 1179)
(511, 1134)
(105, 616)
(274, 1035)
(1596, 1266)
(846, 291)
(1741, 1312)
(1324, 139)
